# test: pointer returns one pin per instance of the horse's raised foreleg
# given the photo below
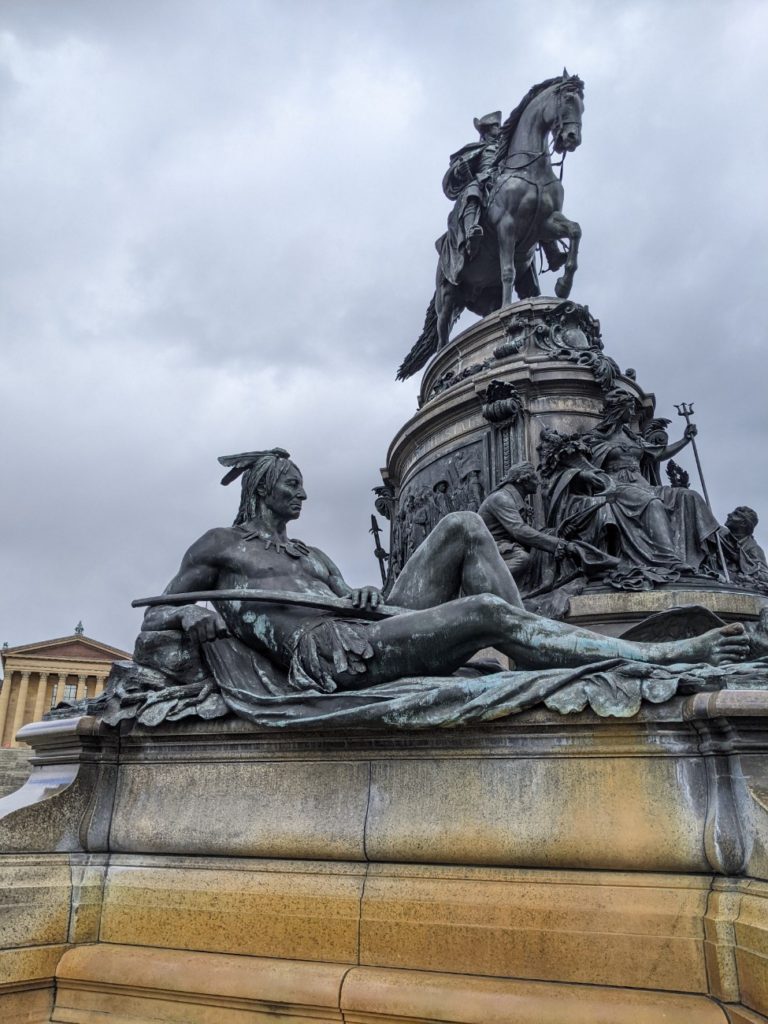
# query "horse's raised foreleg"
(558, 226)
(505, 232)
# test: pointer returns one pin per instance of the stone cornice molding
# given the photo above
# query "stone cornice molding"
(56, 666)
(114, 653)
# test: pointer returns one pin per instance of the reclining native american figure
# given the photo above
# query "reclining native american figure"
(289, 642)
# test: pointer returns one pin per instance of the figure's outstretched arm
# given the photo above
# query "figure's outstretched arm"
(671, 450)
(506, 512)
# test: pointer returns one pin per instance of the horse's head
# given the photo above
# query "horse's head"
(567, 106)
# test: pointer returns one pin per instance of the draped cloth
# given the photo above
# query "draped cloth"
(659, 533)
(248, 684)
(463, 182)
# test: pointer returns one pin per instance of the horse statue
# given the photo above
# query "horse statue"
(522, 209)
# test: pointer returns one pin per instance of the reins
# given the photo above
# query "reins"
(556, 129)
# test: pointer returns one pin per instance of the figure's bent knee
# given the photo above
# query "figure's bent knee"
(469, 524)
(488, 607)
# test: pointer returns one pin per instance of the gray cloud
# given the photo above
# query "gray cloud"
(217, 227)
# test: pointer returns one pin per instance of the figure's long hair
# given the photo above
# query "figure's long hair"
(260, 478)
(515, 473)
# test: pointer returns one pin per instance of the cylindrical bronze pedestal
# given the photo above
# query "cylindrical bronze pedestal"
(485, 399)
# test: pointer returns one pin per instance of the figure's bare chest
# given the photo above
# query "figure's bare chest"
(260, 565)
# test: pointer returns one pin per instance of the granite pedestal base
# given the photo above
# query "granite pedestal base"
(541, 869)
(613, 612)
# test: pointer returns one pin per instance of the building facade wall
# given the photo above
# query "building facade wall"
(36, 681)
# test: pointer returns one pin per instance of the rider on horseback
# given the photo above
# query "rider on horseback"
(508, 201)
(470, 175)
(465, 181)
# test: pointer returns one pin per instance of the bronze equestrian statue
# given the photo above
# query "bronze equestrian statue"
(508, 201)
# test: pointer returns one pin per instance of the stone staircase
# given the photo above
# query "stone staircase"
(14, 768)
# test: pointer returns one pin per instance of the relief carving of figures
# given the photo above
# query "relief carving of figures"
(407, 534)
(419, 519)
(441, 503)
(470, 492)
(397, 542)
(453, 484)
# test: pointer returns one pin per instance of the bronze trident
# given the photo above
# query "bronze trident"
(687, 412)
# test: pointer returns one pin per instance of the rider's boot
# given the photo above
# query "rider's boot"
(473, 233)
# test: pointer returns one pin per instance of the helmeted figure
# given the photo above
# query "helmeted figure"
(605, 493)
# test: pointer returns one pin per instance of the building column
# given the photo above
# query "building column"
(40, 709)
(100, 683)
(5, 696)
(18, 718)
(80, 693)
(61, 682)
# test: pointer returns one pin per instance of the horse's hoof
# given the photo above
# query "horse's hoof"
(563, 288)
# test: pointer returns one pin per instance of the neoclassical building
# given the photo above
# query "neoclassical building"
(37, 676)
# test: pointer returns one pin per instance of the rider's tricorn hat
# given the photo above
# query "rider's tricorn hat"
(488, 121)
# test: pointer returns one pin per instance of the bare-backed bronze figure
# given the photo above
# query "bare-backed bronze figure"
(290, 642)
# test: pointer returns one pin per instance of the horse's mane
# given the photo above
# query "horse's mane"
(509, 126)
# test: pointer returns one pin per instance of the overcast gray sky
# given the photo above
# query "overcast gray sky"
(216, 234)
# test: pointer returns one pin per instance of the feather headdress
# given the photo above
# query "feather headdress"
(249, 460)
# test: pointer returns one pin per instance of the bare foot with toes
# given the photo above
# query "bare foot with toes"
(722, 646)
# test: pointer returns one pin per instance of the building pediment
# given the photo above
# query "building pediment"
(70, 648)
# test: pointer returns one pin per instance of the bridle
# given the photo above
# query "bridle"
(569, 86)
(558, 125)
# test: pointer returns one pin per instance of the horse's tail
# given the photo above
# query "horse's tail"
(424, 347)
